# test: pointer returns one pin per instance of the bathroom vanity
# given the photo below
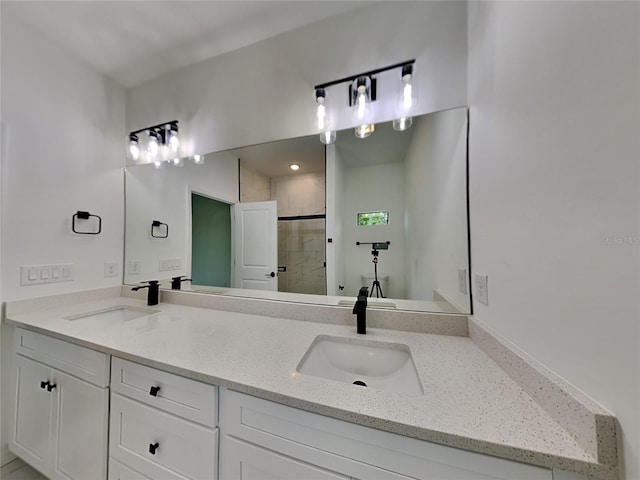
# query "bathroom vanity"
(201, 393)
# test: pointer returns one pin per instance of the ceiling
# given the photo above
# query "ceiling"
(136, 41)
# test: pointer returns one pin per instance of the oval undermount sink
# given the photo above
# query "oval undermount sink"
(380, 365)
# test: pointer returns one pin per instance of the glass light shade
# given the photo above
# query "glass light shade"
(152, 147)
(363, 131)
(321, 118)
(134, 149)
(402, 123)
(328, 137)
(174, 140)
(407, 93)
(361, 101)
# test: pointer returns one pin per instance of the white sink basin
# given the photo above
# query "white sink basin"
(380, 365)
(119, 313)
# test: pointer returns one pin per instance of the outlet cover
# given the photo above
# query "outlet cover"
(482, 289)
(134, 267)
(462, 280)
(111, 269)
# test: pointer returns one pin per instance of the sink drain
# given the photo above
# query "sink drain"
(360, 382)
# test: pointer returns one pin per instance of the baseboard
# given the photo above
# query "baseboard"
(5, 455)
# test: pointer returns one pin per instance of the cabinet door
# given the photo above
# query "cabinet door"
(31, 436)
(79, 429)
(118, 471)
(245, 461)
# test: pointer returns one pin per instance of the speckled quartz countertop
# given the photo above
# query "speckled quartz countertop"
(468, 402)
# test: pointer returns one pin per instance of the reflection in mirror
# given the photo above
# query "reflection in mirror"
(388, 212)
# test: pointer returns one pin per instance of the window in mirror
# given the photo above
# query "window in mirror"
(373, 218)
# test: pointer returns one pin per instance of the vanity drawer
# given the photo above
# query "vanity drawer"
(67, 357)
(160, 445)
(181, 396)
(118, 471)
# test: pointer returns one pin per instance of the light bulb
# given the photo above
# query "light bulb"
(402, 123)
(173, 139)
(177, 162)
(134, 148)
(321, 119)
(407, 93)
(198, 159)
(328, 137)
(153, 146)
(361, 100)
(363, 131)
(294, 167)
(157, 164)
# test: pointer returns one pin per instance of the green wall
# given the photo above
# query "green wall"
(210, 242)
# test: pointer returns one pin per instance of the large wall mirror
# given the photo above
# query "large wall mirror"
(388, 212)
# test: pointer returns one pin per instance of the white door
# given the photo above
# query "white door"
(255, 242)
(80, 429)
(31, 436)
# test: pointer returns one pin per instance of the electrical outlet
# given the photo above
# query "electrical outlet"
(111, 269)
(462, 280)
(482, 289)
(134, 267)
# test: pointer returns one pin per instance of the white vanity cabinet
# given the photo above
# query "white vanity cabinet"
(162, 426)
(60, 407)
(264, 440)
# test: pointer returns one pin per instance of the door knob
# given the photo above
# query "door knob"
(272, 274)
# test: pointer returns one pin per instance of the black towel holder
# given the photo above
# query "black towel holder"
(80, 215)
(158, 224)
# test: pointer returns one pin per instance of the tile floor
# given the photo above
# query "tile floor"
(18, 470)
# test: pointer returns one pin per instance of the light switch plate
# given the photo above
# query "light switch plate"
(134, 267)
(482, 289)
(462, 280)
(39, 274)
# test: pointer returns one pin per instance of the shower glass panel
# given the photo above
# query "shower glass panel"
(301, 256)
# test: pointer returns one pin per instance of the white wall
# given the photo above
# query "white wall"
(554, 149)
(374, 188)
(334, 229)
(165, 194)
(264, 92)
(436, 207)
(63, 151)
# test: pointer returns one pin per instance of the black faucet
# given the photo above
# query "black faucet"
(176, 281)
(360, 310)
(154, 291)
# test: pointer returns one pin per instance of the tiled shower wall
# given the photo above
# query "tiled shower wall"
(300, 242)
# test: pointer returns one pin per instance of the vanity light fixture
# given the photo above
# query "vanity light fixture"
(162, 138)
(362, 93)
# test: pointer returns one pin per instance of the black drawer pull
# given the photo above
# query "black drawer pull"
(51, 387)
(44, 384)
(153, 447)
(154, 391)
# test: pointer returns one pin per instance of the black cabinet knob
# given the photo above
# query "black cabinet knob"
(51, 387)
(44, 384)
(273, 274)
(153, 447)
(154, 391)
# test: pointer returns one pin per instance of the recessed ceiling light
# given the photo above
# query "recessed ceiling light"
(294, 166)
